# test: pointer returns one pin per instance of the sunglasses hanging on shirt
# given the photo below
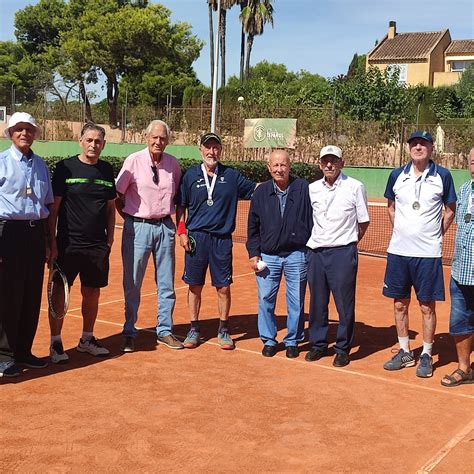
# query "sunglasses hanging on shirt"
(155, 174)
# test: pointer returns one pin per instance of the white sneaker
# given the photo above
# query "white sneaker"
(57, 354)
(92, 347)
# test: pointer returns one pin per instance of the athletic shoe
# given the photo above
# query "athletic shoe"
(32, 362)
(170, 341)
(57, 354)
(92, 347)
(224, 340)
(192, 339)
(9, 369)
(128, 344)
(399, 360)
(425, 367)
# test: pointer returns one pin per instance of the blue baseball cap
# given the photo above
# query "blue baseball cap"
(421, 134)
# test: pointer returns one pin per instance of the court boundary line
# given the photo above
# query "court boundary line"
(299, 361)
(435, 460)
(345, 370)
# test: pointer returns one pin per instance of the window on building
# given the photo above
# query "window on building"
(402, 71)
(460, 66)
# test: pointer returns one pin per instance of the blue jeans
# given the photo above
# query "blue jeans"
(294, 268)
(139, 241)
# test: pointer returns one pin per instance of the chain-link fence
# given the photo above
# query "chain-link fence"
(364, 143)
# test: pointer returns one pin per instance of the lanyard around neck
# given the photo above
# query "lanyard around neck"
(210, 187)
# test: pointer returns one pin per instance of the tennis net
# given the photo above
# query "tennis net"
(376, 239)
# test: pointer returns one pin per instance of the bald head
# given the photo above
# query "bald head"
(279, 167)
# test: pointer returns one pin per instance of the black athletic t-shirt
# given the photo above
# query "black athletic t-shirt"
(85, 190)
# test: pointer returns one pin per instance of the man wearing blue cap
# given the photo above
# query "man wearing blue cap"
(416, 194)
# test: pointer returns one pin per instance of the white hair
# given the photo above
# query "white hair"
(154, 123)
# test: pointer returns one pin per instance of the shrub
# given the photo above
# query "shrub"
(254, 170)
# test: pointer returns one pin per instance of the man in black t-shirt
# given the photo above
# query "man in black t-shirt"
(84, 210)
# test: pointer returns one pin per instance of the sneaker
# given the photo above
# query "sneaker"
(92, 347)
(32, 362)
(399, 360)
(425, 367)
(170, 341)
(224, 340)
(128, 344)
(192, 339)
(57, 354)
(9, 369)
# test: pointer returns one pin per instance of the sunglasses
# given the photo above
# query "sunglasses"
(155, 174)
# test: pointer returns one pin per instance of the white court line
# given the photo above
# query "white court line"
(446, 449)
(308, 364)
(345, 370)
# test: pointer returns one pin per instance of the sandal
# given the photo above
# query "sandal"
(451, 381)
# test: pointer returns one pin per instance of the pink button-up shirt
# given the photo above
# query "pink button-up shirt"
(144, 198)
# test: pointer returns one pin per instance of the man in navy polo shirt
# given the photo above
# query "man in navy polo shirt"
(416, 194)
(279, 225)
(209, 192)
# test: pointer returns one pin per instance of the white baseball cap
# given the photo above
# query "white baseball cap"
(19, 117)
(330, 150)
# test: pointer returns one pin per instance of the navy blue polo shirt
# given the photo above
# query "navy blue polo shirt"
(219, 218)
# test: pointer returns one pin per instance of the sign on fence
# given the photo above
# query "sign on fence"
(270, 133)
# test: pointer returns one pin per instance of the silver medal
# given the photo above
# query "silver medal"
(416, 205)
(210, 202)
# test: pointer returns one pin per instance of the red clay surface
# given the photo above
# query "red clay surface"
(208, 410)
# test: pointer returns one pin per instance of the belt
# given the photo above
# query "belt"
(149, 221)
(24, 223)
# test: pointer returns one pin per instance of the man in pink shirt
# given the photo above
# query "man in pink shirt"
(146, 187)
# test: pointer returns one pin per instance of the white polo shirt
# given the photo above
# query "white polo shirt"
(337, 211)
(417, 232)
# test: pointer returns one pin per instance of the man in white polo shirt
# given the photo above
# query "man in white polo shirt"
(416, 194)
(340, 220)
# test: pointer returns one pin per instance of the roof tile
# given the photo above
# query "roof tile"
(407, 46)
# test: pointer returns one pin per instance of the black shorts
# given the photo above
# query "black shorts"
(90, 263)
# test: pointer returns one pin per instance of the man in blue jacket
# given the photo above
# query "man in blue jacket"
(279, 225)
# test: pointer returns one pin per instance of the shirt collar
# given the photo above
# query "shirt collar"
(432, 168)
(18, 155)
(275, 190)
(336, 183)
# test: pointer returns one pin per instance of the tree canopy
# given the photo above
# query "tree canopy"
(121, 39)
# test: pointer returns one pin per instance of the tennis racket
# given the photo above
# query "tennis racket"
(58, 292)
(192, 245)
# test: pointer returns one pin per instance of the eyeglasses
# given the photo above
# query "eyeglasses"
(155, 174)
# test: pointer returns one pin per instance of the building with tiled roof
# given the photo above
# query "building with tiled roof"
(428, 58)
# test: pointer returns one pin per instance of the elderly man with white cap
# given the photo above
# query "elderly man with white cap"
(340, 220)
(25, 197)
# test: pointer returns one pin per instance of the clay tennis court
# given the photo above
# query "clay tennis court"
(208, 410)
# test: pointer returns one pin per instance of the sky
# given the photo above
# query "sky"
(319, 36)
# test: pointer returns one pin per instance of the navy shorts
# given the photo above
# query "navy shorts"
(211, 251)
(461, 319)
(424, 274)
(90, 263)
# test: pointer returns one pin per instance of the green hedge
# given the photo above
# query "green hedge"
(254, 170)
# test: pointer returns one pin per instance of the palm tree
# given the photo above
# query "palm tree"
(253, 18)
(243, 4)
(225, 5)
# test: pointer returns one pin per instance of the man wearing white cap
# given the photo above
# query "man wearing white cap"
(25, 197)
(340, 220)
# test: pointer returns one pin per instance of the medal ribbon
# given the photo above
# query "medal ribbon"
(418, 184)
(209, 187)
